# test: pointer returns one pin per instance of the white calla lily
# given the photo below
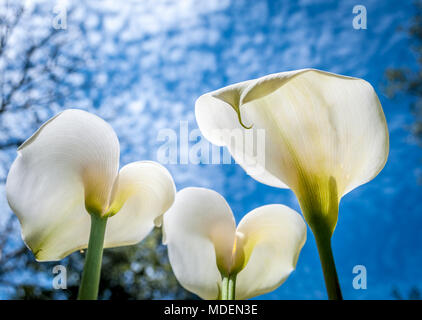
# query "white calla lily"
(325, 134)
(68, 168)
(205, 247)
(68, 171)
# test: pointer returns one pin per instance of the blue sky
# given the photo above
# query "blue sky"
(154, 58)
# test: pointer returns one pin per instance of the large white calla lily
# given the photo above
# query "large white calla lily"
(212, 258)
(67, 174)
(325, 134)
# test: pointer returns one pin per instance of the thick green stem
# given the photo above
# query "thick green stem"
(88, 289)
(319, 201)
(228, 288)
(323, 241)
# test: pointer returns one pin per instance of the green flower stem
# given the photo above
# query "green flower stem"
(232, 287)
(228, 287)
(224, 288)
(88, 289)
(323, 241)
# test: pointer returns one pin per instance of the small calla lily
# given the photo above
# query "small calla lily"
(211, 257)
(68, 171)
(325, 134)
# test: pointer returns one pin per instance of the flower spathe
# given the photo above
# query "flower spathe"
(326, 134)
(68, 170)
(204, 244)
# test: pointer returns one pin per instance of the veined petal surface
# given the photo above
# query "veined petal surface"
(318, 126)
(200, 231)
(204, 244)
(325, 134)
(68, 165)
(272, 238)
(145, 191)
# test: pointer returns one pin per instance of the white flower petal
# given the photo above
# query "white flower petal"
(145, 191)
(319, 126)
(220, 123)
(325, 134)
(200, 231)
(272, 237)
(69, 163)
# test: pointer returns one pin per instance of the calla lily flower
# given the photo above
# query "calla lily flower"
(325, 135)
(211, 257)
(67, 175)
(69, 168)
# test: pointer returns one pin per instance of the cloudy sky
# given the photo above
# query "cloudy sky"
(150, 60)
